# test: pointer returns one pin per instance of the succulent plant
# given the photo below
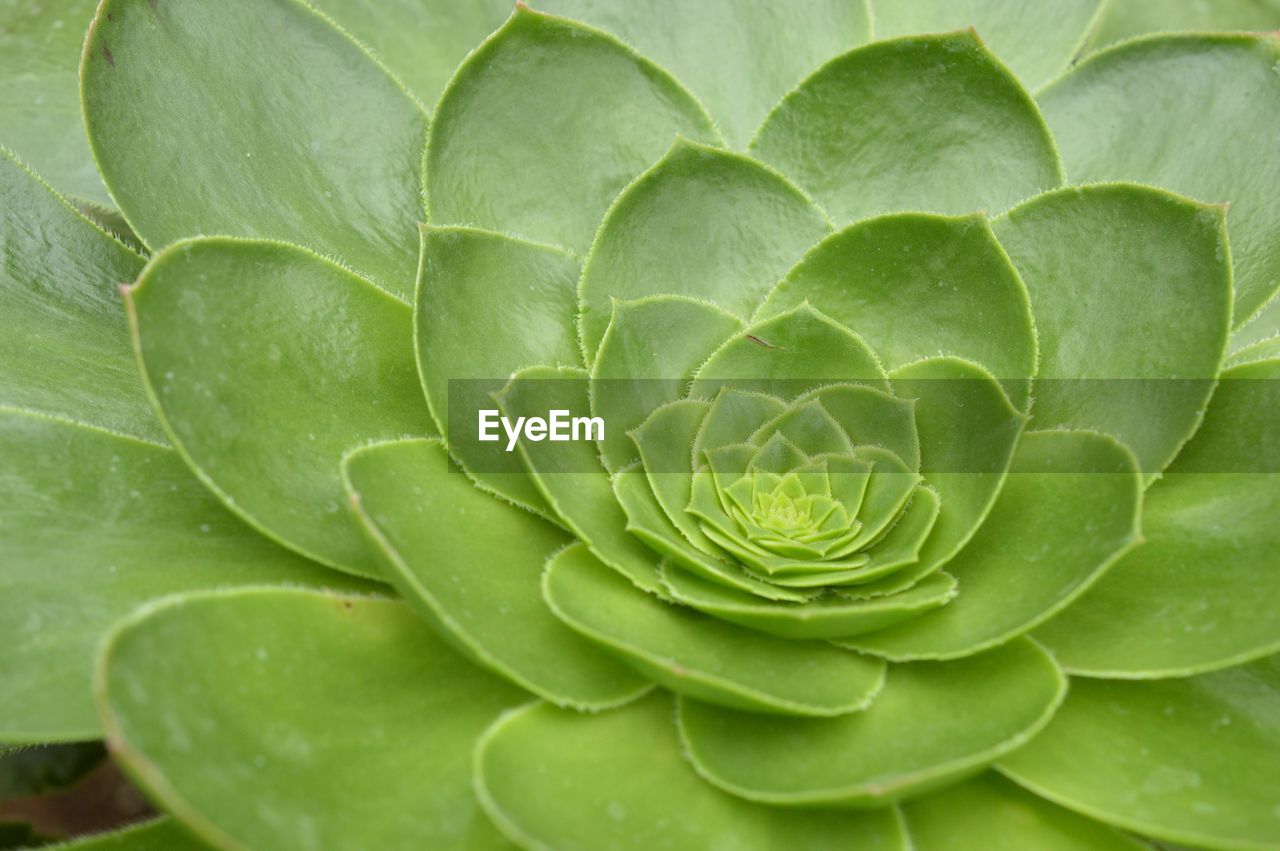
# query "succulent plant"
(928, 475)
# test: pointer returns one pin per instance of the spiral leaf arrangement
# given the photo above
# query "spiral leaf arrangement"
(935, 506)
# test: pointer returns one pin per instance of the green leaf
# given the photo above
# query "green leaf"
(277, 165)
(421, 42)
(516, 296)
(789, 354)
(64, 340)
(914, 285)
(1068, 510)
(160, 834)
(693, 654)
(934, 723)
(266, 363)
(1076, 252)
(1210, 555)
(989, 813)
(1193, 761)
(702, 222)
(968, 434)
(937, 122)
(569, 475)
(96, 524)
(1127, 18)
(649, 352)
(588, 116)
(472, 566)
(633, 790)
(270, 680)
(829, 617)
(1157, 111)
(1037, 40)
(738, 56)
(1263, 327)
(40, 93)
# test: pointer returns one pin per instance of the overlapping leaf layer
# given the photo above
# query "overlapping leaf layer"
(935, 497)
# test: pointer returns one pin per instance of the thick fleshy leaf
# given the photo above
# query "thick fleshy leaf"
(702, 222)
(937, 122)
(738, 56)
(95, 524)
(276, 165)
(989, 813)
(421, 42)
(915, 285)
(1263, 327)
(588, 116)
(268, 676)
(64, 341)
(968, 433)
(266, 363)
(40, 47)
(789, 354)
(933, 723)
(1127, 18)
(1037, 40)
(1155, 110)
(162, 834)
(618, 780)
(1194, 760)
(650, 350)
(1108, 361)
(691, 653)
(516, 296)
(828, 617)
(472, 565)
(1211, 554)
(1069, 508)
(569, 475)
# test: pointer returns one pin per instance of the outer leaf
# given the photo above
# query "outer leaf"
(317, 664)
(161, 834)
(1037, 39)
(1155, 110)
(94, 525)
(1211, 554)
(650, 350)
(705, 657)
(935, 722)
(634, 790)
(1263, 327)
(472, 565)
(916, 285)
(64, 341)
(422, 42)
(1127, 18)
(275, 165)
(937, 122)
(1194, 761)
(702, 222)
(1082, 265)
(266, 363)
(516, 296)
(989, 813)
(738, 56)
(1068, 510)
(39, 92)
(588, 116)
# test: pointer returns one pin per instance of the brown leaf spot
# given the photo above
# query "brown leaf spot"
(111, 60)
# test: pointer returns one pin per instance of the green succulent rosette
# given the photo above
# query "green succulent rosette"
(935, 501)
